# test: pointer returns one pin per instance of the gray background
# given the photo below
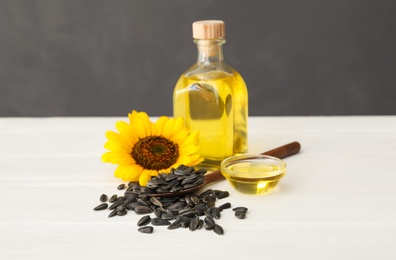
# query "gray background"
(105, 58)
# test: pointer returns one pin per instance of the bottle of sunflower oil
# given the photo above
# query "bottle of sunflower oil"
(212, 98)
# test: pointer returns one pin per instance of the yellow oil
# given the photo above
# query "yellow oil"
(253, 178)
(215, 104)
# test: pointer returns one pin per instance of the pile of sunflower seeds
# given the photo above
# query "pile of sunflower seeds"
(191, 211)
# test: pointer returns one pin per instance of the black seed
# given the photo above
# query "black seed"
(240, 214)
(146, 230)
(193, 224)
(143, 202)
(223, 195)
(156, 201)
(143, 210)
(103, 198)
(215, 213)
(206, 193)
(225, 206)
(208, 226)
(195, 199)
(218, 229)
(115, 204)
(188, 186)
(209, 199)
(209, 221)
(113, 198)
(121, 187)
(201, 171)
(173, 184)
(157, 212)
(175, 224)
(199, 181)
(144, 221)
(162, 189)
(200, 224)
(133, 184)
(101, 206)
(132, 205)
(121, 212)
(113, 213)
(130, 199)
(146, 190)
(159, 222)
(177, 206)
(170, 177)
(243, 209)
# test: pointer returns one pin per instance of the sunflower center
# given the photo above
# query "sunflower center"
(155, 153)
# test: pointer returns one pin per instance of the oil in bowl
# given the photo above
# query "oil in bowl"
(253, 174)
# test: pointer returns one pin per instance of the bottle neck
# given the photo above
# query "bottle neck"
(209, 51)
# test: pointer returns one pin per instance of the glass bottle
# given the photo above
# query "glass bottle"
(212, 98)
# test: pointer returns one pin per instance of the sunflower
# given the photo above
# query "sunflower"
(142, 148)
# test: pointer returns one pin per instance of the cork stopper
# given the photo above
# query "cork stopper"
(208, 29)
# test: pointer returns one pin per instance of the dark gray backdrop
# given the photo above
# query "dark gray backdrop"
(105, 58)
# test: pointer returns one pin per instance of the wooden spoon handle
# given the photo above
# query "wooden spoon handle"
(284, 150)
(280, 152)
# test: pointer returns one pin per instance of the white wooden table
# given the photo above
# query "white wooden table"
(337, 201)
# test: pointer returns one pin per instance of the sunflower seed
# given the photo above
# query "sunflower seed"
(113, 213)
(121, 187)
(173, 184)
(115, 205)
(243, 209)
(209, 221)
(215, 213)
(218, 229)
(170, 177)
(177, 206)
(146, 230)
(146, 190)
(156, 201)
(157, 212)
(223, 195)
(225, 206)
(143, 202)
(209, 226)
(143, 210)
(130, 199)
(132, 205)
(101, 206)
(162, 189)
(103, 198)
(195, 199)
(200, 224)
(193, 223)
(113, 198)
(121, 212)
(206, 193)
(144, 221)
(175, 224)
(240, 214)
(160, 222)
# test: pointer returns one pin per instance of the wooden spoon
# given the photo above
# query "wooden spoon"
(280, 152)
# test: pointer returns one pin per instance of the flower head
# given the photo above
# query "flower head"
(142, 148)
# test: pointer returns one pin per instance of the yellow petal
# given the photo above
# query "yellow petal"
(190, 149)
(168, 128)
(133, 172)
(117, 147)
(159, 125)
(144, 177)
(127, 132)
(140, 124)
(118, 158)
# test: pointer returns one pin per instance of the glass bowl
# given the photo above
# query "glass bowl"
(253, 174)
